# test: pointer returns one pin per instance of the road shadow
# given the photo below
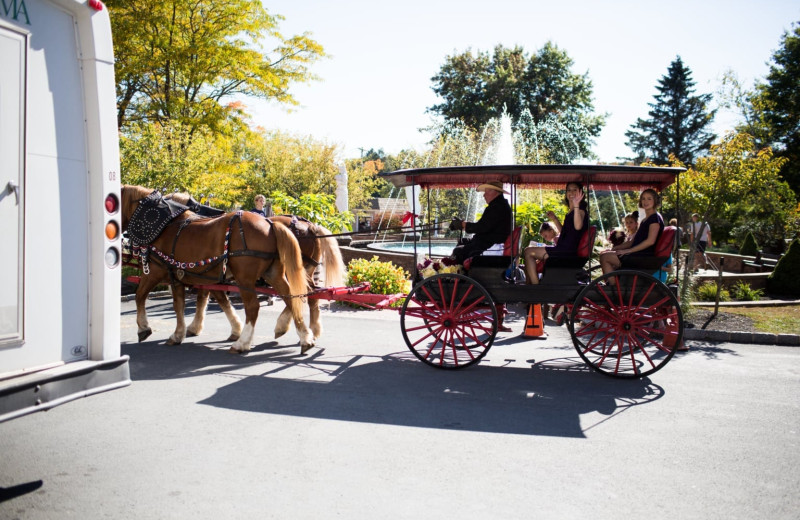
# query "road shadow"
(555, 397)
(8, 493)
(545, 399)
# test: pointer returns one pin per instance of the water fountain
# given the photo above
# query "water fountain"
(500, 141)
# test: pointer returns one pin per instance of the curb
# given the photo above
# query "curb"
(758, 303)
(724, 336)
(762, 338)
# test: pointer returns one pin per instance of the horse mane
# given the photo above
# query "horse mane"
(131, 195)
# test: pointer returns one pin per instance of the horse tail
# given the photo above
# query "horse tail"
(291, 258)
(331, 258)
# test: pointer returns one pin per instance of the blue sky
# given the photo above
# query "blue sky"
(376, 85)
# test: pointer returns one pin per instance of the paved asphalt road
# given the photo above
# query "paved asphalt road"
(360, 429)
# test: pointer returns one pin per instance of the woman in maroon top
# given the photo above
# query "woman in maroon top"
(644, 241)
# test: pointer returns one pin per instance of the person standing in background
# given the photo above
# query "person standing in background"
(703, 230)
(260, 206)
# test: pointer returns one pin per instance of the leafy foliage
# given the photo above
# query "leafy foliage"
(678, 121)
(707, 292)
(743, 292)
(289, 163)
(477, 88)
(780, 102)
(363, 182)
(784, 278)
(384, 277)
(738, 189)
(749, 247)
(178, 60)
(318, 208)
(165, 156)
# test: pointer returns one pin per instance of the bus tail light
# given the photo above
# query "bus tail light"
(112, 203)
(112, 230)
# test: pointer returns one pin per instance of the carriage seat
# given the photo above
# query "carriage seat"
(663, 249)
(490, 259)
(582, 255)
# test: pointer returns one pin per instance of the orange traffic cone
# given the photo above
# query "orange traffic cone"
(534, 326)
(671, 339)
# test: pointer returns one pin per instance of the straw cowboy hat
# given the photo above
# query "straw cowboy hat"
(494, 185)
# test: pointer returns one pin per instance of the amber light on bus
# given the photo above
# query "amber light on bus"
(112, 230)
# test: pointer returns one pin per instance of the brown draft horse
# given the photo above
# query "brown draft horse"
(255, 249)
(318, 248)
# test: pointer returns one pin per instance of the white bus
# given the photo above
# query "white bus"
(59, 206)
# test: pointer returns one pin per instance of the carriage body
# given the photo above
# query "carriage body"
(628, 328)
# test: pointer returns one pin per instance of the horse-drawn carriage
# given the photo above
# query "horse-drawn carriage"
(623, 324)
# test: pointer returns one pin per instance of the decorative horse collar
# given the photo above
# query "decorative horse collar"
(151, 217)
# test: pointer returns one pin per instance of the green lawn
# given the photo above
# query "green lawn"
(775, 320)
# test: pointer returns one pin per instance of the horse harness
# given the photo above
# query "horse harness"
(155, 213)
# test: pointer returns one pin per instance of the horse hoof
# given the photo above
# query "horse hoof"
(278, 334)
(232, 337)
(144, 334)
(172, 342)
(190, 334)
(305, 348)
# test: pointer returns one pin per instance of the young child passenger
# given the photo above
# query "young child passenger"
(548, 233)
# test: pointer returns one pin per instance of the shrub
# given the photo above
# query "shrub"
(749, 247)
(784, 279)
(742, 291)
(384, 277)
(707, 292)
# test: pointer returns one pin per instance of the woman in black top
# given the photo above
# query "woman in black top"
(575, 225)
(646, 237)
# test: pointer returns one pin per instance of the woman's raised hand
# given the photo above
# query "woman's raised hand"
(575, 200)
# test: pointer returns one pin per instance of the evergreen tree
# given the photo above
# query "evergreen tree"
(781, 93)
(678, 121)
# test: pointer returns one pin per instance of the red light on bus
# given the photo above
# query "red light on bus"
(112, 203)
(112, 230)
(97, 5)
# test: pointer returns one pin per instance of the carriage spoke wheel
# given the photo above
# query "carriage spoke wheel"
(449, 321)
(626, 324)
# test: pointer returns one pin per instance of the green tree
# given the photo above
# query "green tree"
(179, 60)
(476, 88)
(293, 164)
(738, 188)
(781, 100)
(750, 105)
(318, 208)
(678, 124)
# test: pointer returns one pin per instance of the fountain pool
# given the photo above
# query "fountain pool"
(439, 248)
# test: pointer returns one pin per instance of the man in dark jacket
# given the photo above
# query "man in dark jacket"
(493, 227)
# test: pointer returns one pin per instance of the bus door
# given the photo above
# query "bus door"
(13, 46)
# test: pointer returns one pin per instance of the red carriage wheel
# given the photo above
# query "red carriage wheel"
(449, 321)
(626, 324)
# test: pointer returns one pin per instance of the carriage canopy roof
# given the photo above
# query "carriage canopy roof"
(554, 176)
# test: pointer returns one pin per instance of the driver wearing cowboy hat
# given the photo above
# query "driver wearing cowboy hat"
(493, 227)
